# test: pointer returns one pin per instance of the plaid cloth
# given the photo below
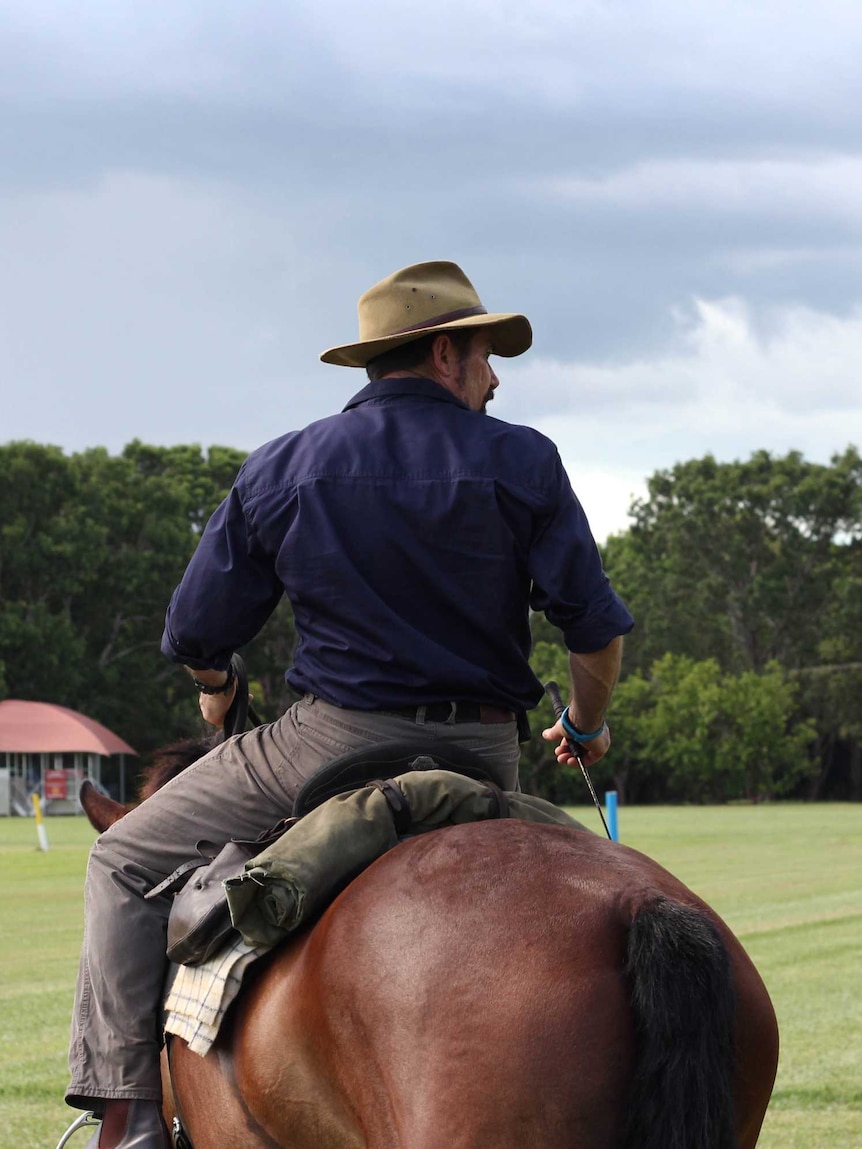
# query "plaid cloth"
(200, 995)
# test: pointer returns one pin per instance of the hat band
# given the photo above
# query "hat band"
(449, 317)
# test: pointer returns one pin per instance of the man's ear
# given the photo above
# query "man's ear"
(445, 357)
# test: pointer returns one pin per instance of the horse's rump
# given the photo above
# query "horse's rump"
(469, 989)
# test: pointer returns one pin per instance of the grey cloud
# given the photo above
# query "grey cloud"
(192, 196)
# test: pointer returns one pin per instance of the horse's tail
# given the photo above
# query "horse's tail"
(683, 1001)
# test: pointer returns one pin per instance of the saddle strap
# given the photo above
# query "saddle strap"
(207, 853)
(500, 804)
(402, 815)
(173, 881)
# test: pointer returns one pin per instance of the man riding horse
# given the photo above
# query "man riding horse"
(412, 536)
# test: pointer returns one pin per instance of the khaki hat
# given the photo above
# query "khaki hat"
(419, 300)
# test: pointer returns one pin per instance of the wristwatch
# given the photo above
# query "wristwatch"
(205, 688)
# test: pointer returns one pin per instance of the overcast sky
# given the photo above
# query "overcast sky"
(194, 194)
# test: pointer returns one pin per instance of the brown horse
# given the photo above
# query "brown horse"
(496, 985)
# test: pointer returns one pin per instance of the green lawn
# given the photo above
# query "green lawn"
(787, 879)
(41, 915)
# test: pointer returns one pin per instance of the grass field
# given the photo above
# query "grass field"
(787, 879)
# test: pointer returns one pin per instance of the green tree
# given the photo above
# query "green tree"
(831, 690)
(91, 547)
(765, 744)
(633, 773)
(718, 737)
(738, 561)
(747, 563)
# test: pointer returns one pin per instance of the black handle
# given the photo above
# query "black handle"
(553, 692)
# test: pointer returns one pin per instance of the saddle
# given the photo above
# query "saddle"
(200, 922)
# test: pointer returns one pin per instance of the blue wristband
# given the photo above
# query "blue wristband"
(578, 735)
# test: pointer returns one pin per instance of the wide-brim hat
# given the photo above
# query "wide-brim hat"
(425, 299)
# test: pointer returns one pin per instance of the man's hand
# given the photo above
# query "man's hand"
(591, 752)
(594, 676)
(214, 707)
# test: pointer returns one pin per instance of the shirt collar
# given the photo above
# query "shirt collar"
(409, 387)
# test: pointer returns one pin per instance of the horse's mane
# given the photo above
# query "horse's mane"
(170, 761)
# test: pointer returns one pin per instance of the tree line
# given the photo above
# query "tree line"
(741, 680)
(743, 676)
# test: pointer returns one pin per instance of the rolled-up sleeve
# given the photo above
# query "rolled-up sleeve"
(229, 590)
(569, 582)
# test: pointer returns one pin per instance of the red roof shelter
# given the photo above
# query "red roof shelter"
(51, 749)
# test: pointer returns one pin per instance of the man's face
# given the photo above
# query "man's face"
(476, 380)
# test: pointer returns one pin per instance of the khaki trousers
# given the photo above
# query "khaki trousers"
(236, 791)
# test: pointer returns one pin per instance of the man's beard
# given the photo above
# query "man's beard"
(460, 384)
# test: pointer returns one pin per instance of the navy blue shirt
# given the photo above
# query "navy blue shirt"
(411, 535)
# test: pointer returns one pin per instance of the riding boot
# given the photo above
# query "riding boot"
(143, 1128)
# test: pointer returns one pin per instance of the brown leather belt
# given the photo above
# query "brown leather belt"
(453, 712)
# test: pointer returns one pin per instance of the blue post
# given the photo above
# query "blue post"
(611, 807)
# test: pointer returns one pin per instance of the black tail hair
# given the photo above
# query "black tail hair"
(684, 1007)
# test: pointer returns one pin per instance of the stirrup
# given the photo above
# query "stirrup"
(86, 1119)
(179, 1137)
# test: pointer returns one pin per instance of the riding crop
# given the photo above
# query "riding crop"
(553, 692)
